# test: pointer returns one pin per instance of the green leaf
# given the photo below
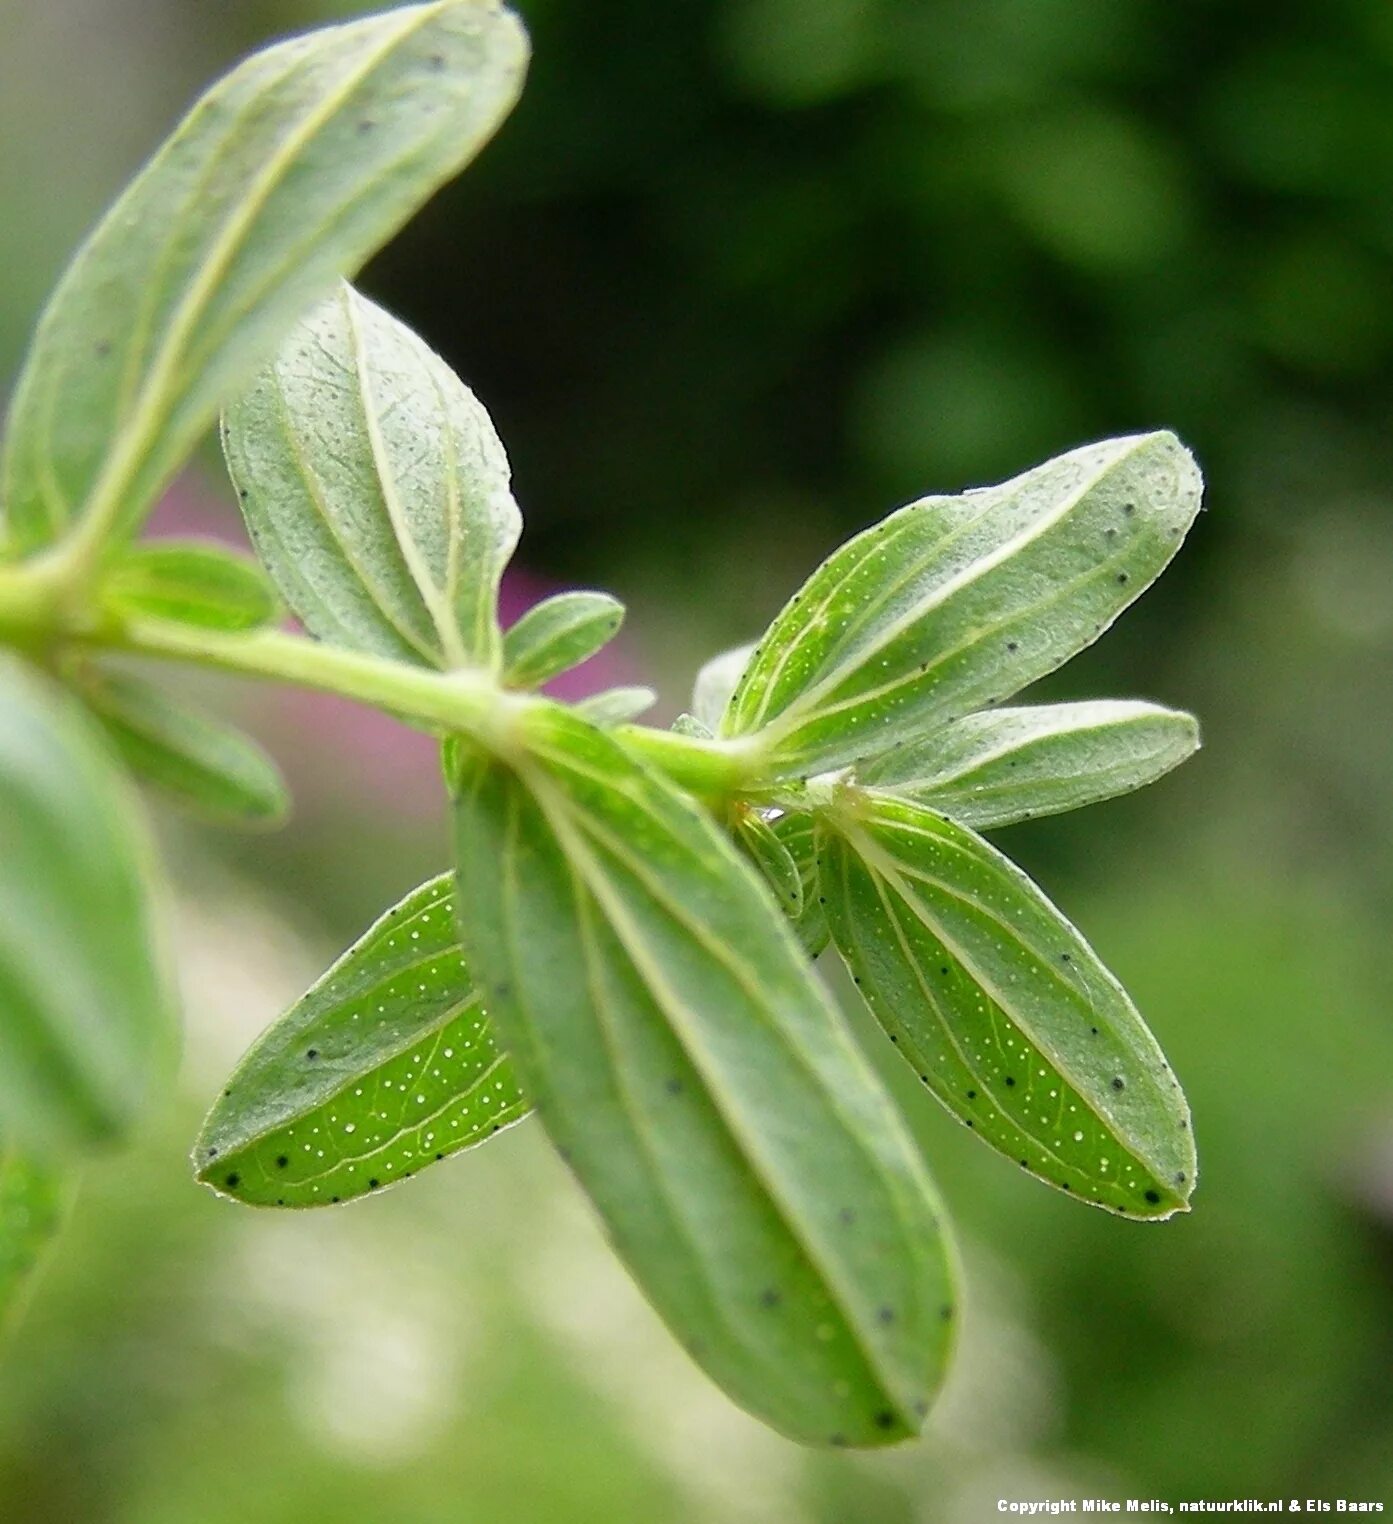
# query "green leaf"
(287, 174)
(756, 838)
(375, 489)
(616, 706)
(716, 682)
(796, 831)
(1004, 765)
(31, 1212)
(955, 603)
(557, 634)
(387, 1065)
(1003, 1010)
(195, 583)
(201, 764)
(86, 1030)
(749, 1167)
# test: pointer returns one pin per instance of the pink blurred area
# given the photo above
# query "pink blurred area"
(337, 755)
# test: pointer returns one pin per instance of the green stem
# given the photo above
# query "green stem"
(466, 702)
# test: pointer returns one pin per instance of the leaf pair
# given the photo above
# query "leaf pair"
(1003, 1011)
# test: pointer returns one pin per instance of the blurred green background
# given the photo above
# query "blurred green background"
(738, 277)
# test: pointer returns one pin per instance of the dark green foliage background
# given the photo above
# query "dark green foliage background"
(739, 276)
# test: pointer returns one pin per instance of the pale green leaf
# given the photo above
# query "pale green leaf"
(616, 706)
(387, 1065)
(375, 489)
(197, 762)
(1001, 1008)
(955, 603)
(557, 634)
(716, 682)
(31, 1212)
(287, 174)
(796, 832)
(86, 1027)
(749, 1168)
(757, 839)
(1004, 765)
(193, 582)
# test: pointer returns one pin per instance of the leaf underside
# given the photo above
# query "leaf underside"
(86, 1029)
(198, 763)
(557, 634)
(287, 174)
(1006, 765)
(747, 1165)
(1002, 1009)
(955, 603)
(375, 489)
(387, 1065)
(192, 582)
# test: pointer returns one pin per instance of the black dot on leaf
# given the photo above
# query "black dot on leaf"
(1121, 577)
(312, 1053)
(769, 1297)
(946, 1312)
(281, 1161)
(366, 125)
(847, 1216)
(212, 1153)
(1154, 1197)
(1013, 645)
(439, 1157)
(885, 1419)
(886, 1314)
(972, 1095)
(1009, 1080)
(1118, 1083)
(233, 1181)
(1180, 1178)
(374, 1183)
(673, 1085)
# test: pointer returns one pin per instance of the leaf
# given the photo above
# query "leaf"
(387, 1065)
(31, 1211)
(1003, 1010)
(199, 763)
(955, 603)
(86, 1030)
(195, 583)
(287, 174)
(557, 634)
(1004, 765)
(757, 839)
(616, 706)
(796, 832)
(375, 489)
(716, 682)
(749, 1168)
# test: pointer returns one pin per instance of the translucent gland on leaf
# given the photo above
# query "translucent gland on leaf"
(287, 174)
(1005, 765)
(375, 489)
(1002, 1009)
(86, 1025)
(955, 603)
(557, 634)
(198, 763)
(389, 1064)
(31, 1210)
(749, 1168)
(191, 582)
